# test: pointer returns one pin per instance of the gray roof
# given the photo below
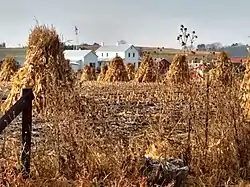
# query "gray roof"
(114, 48)
(75, 55)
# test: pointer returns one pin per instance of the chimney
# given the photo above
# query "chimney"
(102, 44)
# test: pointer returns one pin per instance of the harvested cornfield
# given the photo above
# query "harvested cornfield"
(45, 70)
(8, 69)
(116, 71)
(222, 72)
(178, 72)
(131, 71)
(102, 74)
(88, 74)
(147, 71)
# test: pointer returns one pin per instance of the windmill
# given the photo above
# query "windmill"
(76, 38)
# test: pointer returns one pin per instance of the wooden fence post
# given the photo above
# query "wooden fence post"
(26, 132)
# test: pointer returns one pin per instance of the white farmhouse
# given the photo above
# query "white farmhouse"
(79, 58)
(127, 52)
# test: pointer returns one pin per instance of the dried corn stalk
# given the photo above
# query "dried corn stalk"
(245, 88)
(116, 71)
(147, 71)
(45, 70)
(102, 74)
(8, 69)
(131, 71)
(222, 73)
(178, 72)
(86, 74)
(93, 74)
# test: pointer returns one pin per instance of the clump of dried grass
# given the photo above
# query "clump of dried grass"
(45, 70)
(116, 71)
(178, 72)
(222, 73)
(102, 74)
(147, 71)
(131, 71)
(9, 68)
(88, 74)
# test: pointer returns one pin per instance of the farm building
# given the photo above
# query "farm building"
(127, 52)
(79, 58)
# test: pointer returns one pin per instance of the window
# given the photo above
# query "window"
(128, 54)
(116, 54)
(107, 54)
(102, 54)
(133, 54)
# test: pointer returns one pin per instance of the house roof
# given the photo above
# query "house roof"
(114, 48)
(76, 53)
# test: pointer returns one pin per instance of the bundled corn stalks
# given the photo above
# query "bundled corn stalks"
(222, 73)
(8, 69)
(178, 72)
(87, 74)
(147, 71)
(131, 71)
(116, 71)
(93, 73)
(245, 88)
(45, 70)
(102, 74)
(163, 67)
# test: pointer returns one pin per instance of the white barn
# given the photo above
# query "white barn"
(127, 52)
(79, 58)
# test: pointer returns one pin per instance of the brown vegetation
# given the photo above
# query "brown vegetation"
(88, 74)
(8, 69)
(116, 71)
(102, 74)
(147, 72)
(131, 71)
(45, 70)
(178, 72)
(106, 144)
(222, 73)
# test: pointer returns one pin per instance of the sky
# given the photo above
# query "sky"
(139, 22)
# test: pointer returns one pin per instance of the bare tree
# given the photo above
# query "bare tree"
(186, 39)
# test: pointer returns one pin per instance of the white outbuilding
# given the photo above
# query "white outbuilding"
(79, 58)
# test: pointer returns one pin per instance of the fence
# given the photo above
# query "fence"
(24, 105)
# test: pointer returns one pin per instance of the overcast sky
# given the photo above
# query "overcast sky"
(139, 22)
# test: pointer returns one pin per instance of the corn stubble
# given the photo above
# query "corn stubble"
(116, 71)
(147, 72)
(9, 68)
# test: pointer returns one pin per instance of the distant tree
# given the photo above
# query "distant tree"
(201, 47)
(96, 43)
(122, 42)
(186, 39)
